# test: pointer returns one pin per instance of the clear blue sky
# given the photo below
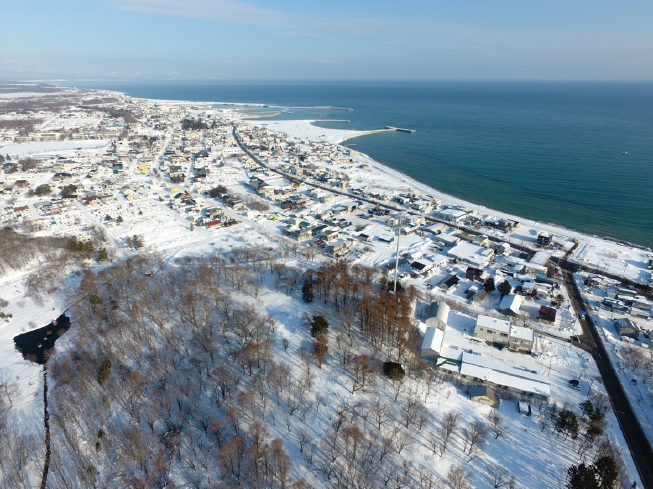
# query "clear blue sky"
(332, 39)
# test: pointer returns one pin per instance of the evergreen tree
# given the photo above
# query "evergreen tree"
(218, 191)
(43, 189)
(581, 477)
(307, 291)
(606, 472)
(102, 255)
(587, 408)
(319, 326)
(489, 285)
(505, 288)
(394, 371)
(566, 422)
(69, 190)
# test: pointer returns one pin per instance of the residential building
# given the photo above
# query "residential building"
(469, 254)
(492, 330)
(544, 239)
(451, 215)
(521, 339)
(548, 314)
(626, 327)
(510, 305)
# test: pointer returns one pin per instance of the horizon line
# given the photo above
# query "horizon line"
(332, 80)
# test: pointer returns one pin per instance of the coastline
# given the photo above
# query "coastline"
(287, 126)
(593, 251)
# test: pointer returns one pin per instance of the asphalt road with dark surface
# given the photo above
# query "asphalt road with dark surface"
(589, 341)
(637, 442)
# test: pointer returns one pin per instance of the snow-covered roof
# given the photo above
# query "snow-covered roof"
(493, 323)
(512, 302)
(433, 339)
(500, 373)
(521, 333)
(448, 239)
(540, 258)
(469, 253)
(455, 213)
(454, 353)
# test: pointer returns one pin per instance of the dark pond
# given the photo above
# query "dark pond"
(35, 344)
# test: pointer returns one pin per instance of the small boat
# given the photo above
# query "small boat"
(625, 153)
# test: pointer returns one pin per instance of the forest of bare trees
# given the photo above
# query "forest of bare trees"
(179, 378)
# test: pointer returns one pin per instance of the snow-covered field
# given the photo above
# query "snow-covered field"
(43, 147)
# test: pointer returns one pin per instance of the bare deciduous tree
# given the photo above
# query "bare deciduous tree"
(448, 425)
(458, 477)
(501, 477)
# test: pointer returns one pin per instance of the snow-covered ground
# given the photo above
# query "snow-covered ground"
(305, 129)
(43, 147)
(168, 232)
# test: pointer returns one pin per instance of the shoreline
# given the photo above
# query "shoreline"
(423, 187)
(593, 251)
(598, 252)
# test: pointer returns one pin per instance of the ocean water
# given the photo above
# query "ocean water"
(552, 152)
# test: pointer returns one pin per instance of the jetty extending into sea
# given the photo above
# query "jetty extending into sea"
(323, 107)
(399, 129)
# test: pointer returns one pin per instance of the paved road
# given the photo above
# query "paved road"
(589, 341)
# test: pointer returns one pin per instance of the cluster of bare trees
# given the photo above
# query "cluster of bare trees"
(382, 319)
(253, 202)
(168, 376)
(21, 451)
(363, 448)
(17, 250)
(637, 360)
(172, 377)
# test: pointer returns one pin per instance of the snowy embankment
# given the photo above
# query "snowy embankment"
(28, 149)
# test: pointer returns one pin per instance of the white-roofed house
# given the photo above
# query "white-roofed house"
(446, 239)
(451, 215)
(496, 373)
(475, 256)
(492, 330)
(510, 305)
(521, 339)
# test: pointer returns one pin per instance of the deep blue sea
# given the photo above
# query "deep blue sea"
(551, 151)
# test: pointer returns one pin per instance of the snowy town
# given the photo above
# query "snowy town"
(507, 313)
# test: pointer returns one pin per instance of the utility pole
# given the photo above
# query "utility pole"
(399, 224)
